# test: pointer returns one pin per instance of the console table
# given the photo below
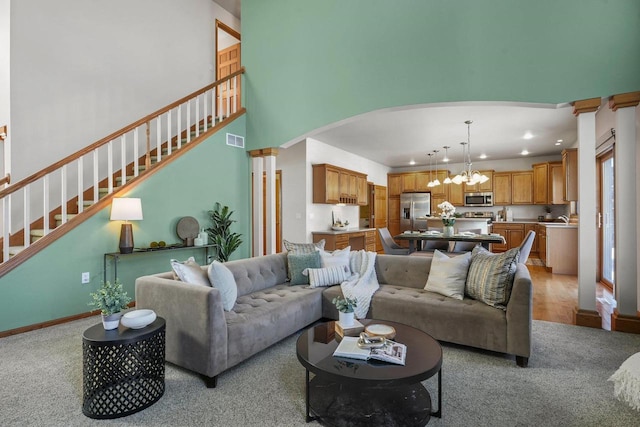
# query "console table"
(136, 252)
(123, 369)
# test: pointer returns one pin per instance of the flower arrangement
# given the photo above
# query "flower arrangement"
(447, 213)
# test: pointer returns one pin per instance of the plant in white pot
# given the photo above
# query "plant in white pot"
(345, 308)
(110, 299)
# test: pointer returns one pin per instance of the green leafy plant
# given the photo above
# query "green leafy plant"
(223, 240)
(110, 298)
(345, 305)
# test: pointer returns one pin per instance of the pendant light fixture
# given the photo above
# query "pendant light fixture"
(430, 184)
(447, 180)
(436, 182)
(467, 175)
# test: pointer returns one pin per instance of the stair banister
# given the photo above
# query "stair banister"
(214, 91)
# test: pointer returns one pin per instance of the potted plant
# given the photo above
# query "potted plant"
(110, 299)
(447, 213)
(345, 308)
(223, 240)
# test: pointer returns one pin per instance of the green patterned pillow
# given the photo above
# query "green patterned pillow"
(298, 262)
(303, 248)
(490, 277)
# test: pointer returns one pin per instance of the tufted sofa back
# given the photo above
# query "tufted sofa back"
(401, 270)
(254, 274)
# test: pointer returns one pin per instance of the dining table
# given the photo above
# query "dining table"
(415, 236)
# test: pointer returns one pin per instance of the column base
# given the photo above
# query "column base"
(588, 318)
(625, 323)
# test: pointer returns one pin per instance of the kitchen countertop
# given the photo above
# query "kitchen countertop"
(348, 230)
(546, 223)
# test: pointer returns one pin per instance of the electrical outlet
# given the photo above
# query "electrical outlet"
(86, 278)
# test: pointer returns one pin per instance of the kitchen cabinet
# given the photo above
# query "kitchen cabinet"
(357, 239)
(422, 179)
(570, 173)
(562, 249)
(363, 190)
(394, 184)
(522, 188)
(542, 243)
(548, 183)
(456, 194)
(534, 228)
(408, 182)
(332, 185)
(512, 232)
(502, 188)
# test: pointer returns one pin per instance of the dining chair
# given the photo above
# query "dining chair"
(389, 245)
(466, 246)
(525, 246)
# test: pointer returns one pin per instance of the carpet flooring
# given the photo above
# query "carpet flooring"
(564, 385)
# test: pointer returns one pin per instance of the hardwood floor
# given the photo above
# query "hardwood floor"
(555, 297)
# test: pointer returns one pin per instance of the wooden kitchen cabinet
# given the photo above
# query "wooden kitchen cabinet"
(456, 194)
(357, 239)
(502, 188)
(394, 184)
(512, 232)
(570, 172)
(548, 183)
(332, 185)
(522, 188)
(408, 182)
(534, 228)
(363, 190)
(481, 188)
(422, 179)
(542, 243)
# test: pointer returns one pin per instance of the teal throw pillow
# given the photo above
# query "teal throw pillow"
(298, 262)
(490, 277)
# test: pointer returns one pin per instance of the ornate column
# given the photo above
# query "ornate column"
(585, 313)
(264, 200)
(625, 317)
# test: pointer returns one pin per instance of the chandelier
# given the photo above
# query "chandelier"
(468, 176)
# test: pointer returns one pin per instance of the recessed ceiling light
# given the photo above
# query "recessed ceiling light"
(412, 162)
(483, 156)
(528, 135)
(559, 140)
(524, 152)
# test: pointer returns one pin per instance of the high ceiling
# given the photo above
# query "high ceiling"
(231, 6)
(395, 137)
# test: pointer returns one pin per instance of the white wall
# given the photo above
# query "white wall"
(299, 215)
(81, 70)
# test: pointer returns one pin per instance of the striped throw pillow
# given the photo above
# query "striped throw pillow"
(327, 276)
(490, 277)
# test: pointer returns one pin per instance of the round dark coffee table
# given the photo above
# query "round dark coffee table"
(351, 392)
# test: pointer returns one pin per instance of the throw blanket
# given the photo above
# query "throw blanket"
(364, 282)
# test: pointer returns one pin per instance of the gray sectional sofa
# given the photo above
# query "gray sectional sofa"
(202, 337)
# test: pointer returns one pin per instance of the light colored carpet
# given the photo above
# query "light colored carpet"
(564, 385)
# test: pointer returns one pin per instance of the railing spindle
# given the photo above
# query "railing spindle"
(204, 106)
(63, 194)
(188, 121)
(109, 169)
(136, 151)
(27, 216)
(158, 138)
(123, 160)
(96, 177)
(219, 88)
(179, 126)
(228, 98)
(169, 142)
(235, 94)
(80, 184)
(45, 199)
(147, 158)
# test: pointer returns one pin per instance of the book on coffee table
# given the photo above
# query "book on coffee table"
(349, 331)
(392, 352)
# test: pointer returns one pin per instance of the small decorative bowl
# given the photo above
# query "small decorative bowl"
(339, 227)
(138, 319)
(377, 329)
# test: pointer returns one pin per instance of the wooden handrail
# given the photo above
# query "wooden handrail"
(36, 176)
(6, 179)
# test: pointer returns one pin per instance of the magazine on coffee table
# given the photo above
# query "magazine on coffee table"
(392, 352)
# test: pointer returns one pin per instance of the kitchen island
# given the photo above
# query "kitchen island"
(357, 238)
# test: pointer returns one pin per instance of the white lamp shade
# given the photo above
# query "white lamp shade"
(126, 209)
(457, 179)
(447, 180)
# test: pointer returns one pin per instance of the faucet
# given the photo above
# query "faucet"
(564, 219)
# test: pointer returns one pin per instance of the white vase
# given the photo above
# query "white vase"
(448, 230)
(346, 319)
(111, 321)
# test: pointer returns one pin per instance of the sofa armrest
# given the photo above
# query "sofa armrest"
(519, 313)
(196, 331)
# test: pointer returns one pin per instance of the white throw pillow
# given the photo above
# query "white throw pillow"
(327, 276)
(448, 275)
(337, 258)
(222, 279)
(190, 272)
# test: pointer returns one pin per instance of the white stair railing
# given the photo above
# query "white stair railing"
(74, 183)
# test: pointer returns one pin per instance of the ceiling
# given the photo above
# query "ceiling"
(394, 137)
(231, 6)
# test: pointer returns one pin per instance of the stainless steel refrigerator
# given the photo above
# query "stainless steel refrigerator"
(415, 208)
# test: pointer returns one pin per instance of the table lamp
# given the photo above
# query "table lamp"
(126, 209)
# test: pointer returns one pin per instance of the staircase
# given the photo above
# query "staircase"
(85, 182)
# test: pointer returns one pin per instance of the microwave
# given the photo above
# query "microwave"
(478, 199)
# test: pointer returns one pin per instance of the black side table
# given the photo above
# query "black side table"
(123, 369)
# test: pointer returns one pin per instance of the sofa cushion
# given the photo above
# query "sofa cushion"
(491, 275)
(403, 270)
(298, 262)
(222, 279)
(190, 272)
(327, 276)
(448, 275)
(304, 248)
(339, 257)
(257, 273)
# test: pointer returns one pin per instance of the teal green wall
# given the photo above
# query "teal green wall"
(48, 287)
(312, 63)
